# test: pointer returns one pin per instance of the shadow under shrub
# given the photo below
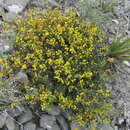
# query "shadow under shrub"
(65, 61)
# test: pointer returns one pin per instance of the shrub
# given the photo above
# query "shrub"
(65, 61)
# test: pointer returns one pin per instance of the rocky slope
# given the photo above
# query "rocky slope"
(28, 118)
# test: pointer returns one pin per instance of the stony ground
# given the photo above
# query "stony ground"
(28, 118)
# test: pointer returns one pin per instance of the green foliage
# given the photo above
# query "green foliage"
(66, 63)
(99, 11)
(120, 50)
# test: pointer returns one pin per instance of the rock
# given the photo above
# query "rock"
(25, 117)
(66, 114)
(16, 111)
(17, 127)
(62, 122)
(1, 46)
(9, 16)
(115, 21)
(3, 117)
(54, 110)
(127, 5)
(126, 63)
(47, 121)
(37, 4)
(1, 1)
(55, 127)
(16, 6)
(1, 11)
(106, 127)
(20, 77)
(111, 30)
(15, 9)
(75, 126)
(30, 126)
(120, 121)
(53, 3)
(10, 124)
(38, 128)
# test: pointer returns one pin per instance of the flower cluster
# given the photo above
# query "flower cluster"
(65, 61)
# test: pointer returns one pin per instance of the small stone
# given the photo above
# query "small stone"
(25, 117)
(3, 117)
(47, 121)
(62, 122)
(10, 124)
(120, 121)
(126, 63)
(115, 21)
(54, 110)
(20, 77)
(30, 126)
(15, 8)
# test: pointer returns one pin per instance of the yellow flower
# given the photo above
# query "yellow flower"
(87, 75)
(110, 60)
(1, 74)
(1, 60)
(13, 105)
(24, 66)
(46, 33)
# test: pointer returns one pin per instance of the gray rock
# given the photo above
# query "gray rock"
(16, 6)
(10, 124)
(1, 46)
(127, 5)
(9, 16)
(16, 111)
(37, 4)
(21, 127)
(25, 117)
(20, 77)
(53, 3)
(30, 126)
(74, 125)
(47, 121)
(55, 127)
(66, 114)
(3, 117)
(54, 110)
(112, 30)
(1, 10)
(106, 127)
(120, 121)
(17, 127)
(62, 122)
(1, 1)
(38, 128)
